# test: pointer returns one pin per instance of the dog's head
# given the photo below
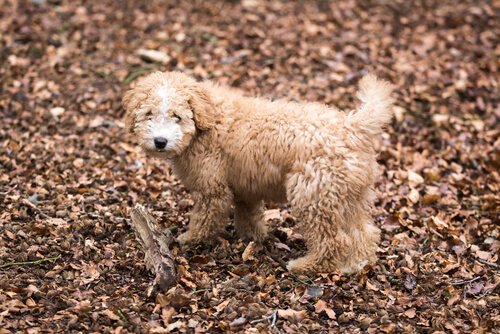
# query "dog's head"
(166, 110)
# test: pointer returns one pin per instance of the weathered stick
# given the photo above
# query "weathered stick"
(155, 241)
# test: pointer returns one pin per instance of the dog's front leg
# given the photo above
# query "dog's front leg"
(208, 216)
(249, 220)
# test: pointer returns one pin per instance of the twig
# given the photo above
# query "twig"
(5, 193)
(491, 264)
(34, 207)
(198, 291)
(256, 321)
(30, 262)
(273, 323)
(271, 317)
(465, 282)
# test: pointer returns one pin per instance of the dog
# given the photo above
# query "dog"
(229, 149)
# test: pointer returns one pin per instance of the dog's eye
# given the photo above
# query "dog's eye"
(149, 114)
(177, 118)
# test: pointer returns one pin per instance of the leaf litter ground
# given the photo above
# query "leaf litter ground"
(69, 173)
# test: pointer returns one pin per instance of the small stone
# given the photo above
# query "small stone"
(153, 56)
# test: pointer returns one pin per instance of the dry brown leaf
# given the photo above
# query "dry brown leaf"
(410, 313)
(249, 252)
(291, 314)
(222, 305)
(322, 306)
(110, 314)
(414, 179)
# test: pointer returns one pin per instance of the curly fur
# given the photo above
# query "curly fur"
(242, 151)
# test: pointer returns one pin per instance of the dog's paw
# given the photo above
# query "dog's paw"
(255, 232)
(257, 236)
(302, 265)
(353, 267)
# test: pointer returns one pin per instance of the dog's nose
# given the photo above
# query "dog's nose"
(160, 142)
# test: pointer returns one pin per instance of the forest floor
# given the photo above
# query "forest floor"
(69, 172)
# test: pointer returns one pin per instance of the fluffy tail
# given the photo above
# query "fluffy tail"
(375, 110)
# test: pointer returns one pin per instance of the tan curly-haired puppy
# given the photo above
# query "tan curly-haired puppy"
(229, 149)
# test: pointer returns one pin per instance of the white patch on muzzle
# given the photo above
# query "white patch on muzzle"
(161, 127)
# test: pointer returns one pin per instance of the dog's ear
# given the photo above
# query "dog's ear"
(130, 102)
(203, 109)
(129, 116)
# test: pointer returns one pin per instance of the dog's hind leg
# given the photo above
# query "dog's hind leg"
(333, 209)
(249, 220)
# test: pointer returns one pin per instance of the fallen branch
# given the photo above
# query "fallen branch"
(155, 242)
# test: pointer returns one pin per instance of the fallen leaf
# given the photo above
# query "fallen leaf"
(57, 222)
(176, 325)
(110, 314)
(178, 300)
(57, 111)
(322, 306)
(414, 196)
(291, 314)
(222, 305)
(414, 179)
(474, 288)
(410, 313)
(410, 282)
(78, 163)
(483, 255)
(249, 252)
(371, 286)
(204, 260)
